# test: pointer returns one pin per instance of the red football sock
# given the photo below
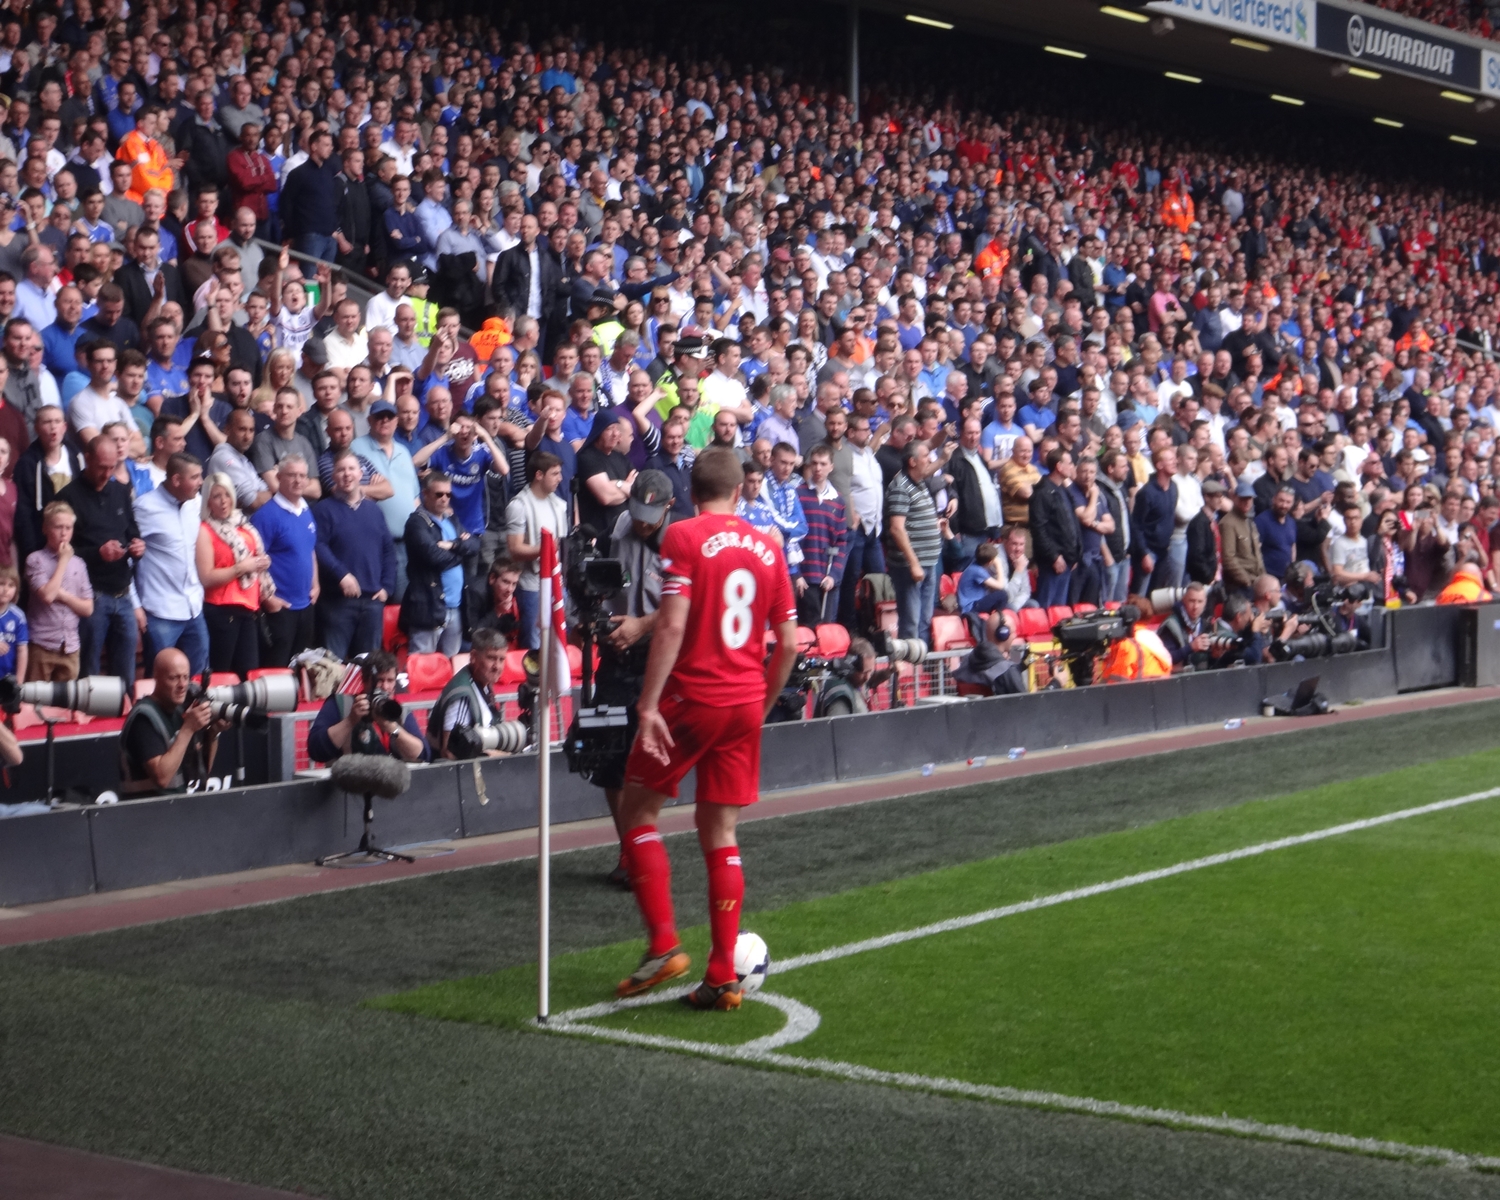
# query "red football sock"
(651, 881)
(726, 893)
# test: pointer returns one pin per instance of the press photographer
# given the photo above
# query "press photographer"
(630, 613)
(370, 721)
(170, 739)
(167, 744)
(467, 721)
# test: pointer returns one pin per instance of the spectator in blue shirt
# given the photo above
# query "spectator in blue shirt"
(466, 456)
(357, 561)
(1278, 532)
(999, 436)
(1037, 414)
(290, 533)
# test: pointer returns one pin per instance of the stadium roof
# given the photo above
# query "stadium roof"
(1349, 55)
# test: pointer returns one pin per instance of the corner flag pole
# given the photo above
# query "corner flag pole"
(543, 738)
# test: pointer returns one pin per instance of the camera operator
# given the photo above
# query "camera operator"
(469, 698)
(636, 542)
(1139, 654)
(345, 724)
(992, 668)
(164, 746)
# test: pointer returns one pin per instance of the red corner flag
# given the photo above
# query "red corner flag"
(552, 611)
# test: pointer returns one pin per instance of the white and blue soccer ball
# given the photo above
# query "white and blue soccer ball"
(752, 962)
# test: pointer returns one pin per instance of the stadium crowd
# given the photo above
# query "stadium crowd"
(1475, 17)
(521, 283)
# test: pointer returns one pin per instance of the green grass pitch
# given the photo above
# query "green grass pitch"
(1349, 985)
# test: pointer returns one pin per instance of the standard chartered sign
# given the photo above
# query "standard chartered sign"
(1291, 21)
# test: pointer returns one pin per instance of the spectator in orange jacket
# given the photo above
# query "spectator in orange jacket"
(151, 168)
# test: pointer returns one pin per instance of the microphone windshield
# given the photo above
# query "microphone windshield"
(371, 774)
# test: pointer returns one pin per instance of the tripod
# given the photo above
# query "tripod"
(366, 853)
(371, 775)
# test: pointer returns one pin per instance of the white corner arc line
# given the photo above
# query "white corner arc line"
(1115, 885)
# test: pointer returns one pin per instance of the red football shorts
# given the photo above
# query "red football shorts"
(723, 743)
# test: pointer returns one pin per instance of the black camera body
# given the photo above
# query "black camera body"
(832, 677)
(603, 725)
(1323, 639)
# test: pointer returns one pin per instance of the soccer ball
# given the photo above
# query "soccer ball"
(752, 961)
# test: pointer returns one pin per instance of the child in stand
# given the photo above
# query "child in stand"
(60, 595)
(13, 636)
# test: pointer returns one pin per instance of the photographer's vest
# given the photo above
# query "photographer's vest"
(462, 685)
(136, 783)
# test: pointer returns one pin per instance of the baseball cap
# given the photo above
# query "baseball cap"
(384, 408)
(1211, 487)
(1244, 489)
(650, 497)
(315, 351)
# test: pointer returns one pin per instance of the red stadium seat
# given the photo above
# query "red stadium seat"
(1058, 612)
(833, 640)
(575, 663)
(263, 672)
(515, 670)
(391, 636)
(1084, 607)
(807, 640)
(428, 672)
(223, 679)
(948, 585)
(950, 632)
(460, 661)
(142, 687)
(1033, 623)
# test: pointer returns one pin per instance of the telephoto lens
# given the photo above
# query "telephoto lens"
(97, 695)
(907, 650)
(509, 737)
(270, 693)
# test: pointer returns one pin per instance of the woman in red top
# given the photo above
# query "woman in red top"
(235, 570)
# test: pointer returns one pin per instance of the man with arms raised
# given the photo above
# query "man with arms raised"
(704, 700)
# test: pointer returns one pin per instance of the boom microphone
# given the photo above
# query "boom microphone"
(371, 775)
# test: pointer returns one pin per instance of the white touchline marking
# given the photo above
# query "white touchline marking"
(802, 1019)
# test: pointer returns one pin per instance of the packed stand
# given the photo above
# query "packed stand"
(971, 366)
(1476, 17)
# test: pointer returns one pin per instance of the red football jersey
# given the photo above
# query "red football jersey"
(736, 581)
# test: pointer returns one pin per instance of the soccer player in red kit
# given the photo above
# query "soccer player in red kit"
(706, 695)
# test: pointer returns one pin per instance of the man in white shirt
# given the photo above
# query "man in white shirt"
(97, 405)
(721, 389)
(380, 310)
(347, 344)
(166, 579)
(403, 146)
(866, 504)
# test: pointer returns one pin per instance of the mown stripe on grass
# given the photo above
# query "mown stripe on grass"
(1115, 885)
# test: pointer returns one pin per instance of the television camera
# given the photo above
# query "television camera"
(600, 734)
